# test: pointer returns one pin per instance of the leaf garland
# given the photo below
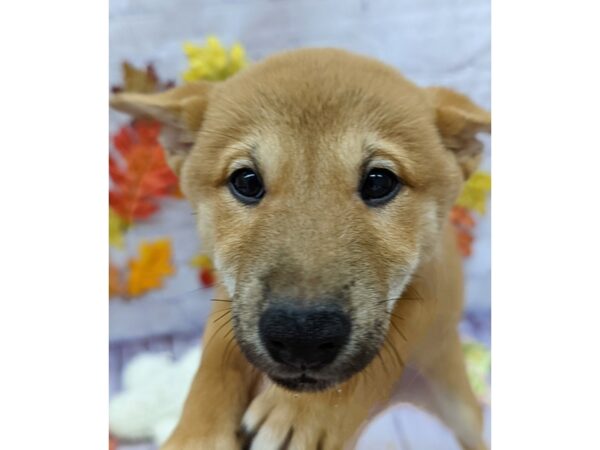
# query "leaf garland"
(139, 177)
(139, 173)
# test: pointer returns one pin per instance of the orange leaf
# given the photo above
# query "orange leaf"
(116, 287)
(153, 265)
(462, 217)
(463, 222)
(465, 242)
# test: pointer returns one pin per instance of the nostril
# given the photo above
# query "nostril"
(277, 344)
(327, 346)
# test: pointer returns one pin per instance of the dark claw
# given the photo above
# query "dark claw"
(287, 440)
(246, 436)
(320, 443)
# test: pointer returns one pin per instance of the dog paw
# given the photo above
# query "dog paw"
(278, 419)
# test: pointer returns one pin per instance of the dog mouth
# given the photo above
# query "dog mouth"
(302, 383)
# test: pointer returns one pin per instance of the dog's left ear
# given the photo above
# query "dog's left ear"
(180, 111)
(459, 120)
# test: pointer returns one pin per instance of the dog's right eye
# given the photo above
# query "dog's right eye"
(379, 187)
(246, 186)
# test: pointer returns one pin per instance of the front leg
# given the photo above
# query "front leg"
(448, 393)
(220, 391)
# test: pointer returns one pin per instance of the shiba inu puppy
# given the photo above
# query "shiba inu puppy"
(322, 181)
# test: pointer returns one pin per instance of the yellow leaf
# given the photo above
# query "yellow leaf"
(116, 229)
(475, 192)
(478, 362)
(213, 43)
(237, 56)
(148, 271)
(212, 61)
(202, 262)
(191, 49)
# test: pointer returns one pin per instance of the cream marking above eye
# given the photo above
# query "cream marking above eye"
(241, 164)
(394, 156)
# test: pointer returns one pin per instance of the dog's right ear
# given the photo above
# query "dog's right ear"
(180, 110)
(459, 120)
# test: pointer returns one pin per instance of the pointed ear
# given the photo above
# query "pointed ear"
(459, 120)
(180, 111)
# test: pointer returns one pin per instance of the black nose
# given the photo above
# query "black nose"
(304, 338)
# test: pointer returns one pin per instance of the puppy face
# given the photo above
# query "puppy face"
(321, 181)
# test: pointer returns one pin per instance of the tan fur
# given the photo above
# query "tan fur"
(310, 122)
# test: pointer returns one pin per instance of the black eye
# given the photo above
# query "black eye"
(246, 186)
(379, 186)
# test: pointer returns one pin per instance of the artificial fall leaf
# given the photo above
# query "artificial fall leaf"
(116, 286)
(139, 172)
(462, 217)
(465, 242)
(153, 264)
(478, 364)
(206, 272)
(201, 261)
(116, 229)
(140, 80)
(212, 61)
(475, 192)
(206, 277)
(463, 222)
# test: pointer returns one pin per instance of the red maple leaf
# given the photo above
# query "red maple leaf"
(139, 172)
